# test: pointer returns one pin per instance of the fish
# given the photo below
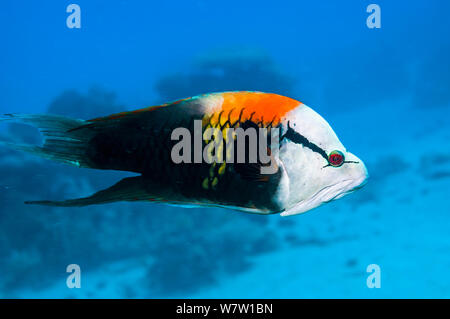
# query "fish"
(310, 164)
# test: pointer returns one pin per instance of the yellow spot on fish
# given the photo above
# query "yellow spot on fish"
(205, 183)
(213, 121)
(225, 134)
(223, 120)
(215, 182)
(222, 168)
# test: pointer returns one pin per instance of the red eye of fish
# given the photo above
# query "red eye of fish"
(336, 158)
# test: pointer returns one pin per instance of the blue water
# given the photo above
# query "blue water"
(384, 91)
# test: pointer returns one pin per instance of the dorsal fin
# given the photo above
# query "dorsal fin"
(146, 109)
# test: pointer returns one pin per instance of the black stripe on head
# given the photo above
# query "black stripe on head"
(297, 138)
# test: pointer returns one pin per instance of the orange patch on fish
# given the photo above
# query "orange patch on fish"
(265, 108)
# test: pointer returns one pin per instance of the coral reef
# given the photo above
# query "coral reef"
(229, 69)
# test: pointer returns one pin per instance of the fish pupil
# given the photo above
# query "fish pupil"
(336, 158)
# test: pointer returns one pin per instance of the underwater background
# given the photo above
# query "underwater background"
(384, 91)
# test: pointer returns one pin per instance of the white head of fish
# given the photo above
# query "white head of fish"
(310, 180)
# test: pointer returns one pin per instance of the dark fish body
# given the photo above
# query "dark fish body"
(143, 144)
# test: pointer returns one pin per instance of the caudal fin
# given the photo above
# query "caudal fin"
(61, 142)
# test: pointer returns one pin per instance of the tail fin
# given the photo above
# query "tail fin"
(61, 142)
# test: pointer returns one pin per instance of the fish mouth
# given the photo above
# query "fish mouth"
(327, 194)
(352, 186)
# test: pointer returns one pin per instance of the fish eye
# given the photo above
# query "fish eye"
(336, 158)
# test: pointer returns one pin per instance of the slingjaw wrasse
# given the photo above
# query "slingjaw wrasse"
(311, 165)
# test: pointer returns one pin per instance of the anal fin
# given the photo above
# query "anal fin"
(128, 189)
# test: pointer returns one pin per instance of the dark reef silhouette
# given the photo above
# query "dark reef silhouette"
(232, 69)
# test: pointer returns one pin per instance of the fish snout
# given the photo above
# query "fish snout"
(358, 171)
